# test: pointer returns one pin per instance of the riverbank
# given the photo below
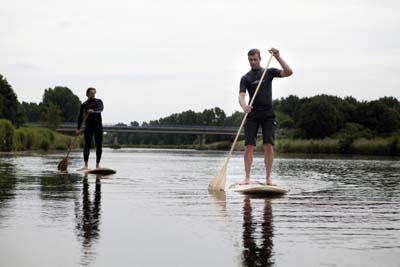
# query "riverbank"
(37, 138)
(389, 146)
(33, 138)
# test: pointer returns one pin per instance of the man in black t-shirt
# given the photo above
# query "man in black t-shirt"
(92, 108)
(261, 112)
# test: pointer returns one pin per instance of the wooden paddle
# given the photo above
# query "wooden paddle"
(63, 164)
(219, 181)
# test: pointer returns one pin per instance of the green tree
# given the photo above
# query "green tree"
(187, 118)
(284, 120)
(289, 105)
(235, 119)
(390, 102)
(51, 117)
(10, 108)
(207, 117)
(170, 120)
(318, 119)
(32, 111)
(347, 110)
(378, 117)
(220, 116)
(67, 101)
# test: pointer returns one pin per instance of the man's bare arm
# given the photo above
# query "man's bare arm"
(242, 102)
(286, 70)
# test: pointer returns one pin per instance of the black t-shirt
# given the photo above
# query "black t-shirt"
(249, 82)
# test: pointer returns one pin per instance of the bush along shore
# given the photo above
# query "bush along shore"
(380, 146)
(385, 146)
(33, 138)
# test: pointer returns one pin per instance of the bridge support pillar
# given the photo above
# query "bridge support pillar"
(202, 141)
(115, 139)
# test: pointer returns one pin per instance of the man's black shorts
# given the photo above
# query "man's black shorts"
(254, 120)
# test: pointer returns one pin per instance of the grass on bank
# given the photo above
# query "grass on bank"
(32, 138)
(389, 146)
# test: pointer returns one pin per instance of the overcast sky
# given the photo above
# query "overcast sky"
(149, 59)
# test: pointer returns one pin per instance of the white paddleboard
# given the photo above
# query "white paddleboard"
(255, 187)
(101, 171)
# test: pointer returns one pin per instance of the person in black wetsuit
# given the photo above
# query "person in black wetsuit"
(93, 126)
(261, 112)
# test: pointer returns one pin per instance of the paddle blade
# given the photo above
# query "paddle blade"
(63, 164)
(219, 181)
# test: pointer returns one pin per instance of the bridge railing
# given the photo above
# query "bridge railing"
(115, 126)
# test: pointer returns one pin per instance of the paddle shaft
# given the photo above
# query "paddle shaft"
(73, 141)
(245, 115)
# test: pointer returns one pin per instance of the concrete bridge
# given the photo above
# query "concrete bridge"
(173, 129)
(200, 131)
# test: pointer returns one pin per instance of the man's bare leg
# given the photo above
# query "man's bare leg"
(97, 165)
(268, 159)
(248, 161)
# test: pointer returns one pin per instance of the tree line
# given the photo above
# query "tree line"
(59, 104)
(314, 117)
(324, 115)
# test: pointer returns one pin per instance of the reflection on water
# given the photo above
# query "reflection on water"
(7, 186)
(257, 254)
(87, 216)
(219, 197)
(156, 211)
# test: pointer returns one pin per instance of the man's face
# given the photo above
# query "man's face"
(254, 61)
(91, 94)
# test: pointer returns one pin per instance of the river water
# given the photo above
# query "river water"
(157, 211)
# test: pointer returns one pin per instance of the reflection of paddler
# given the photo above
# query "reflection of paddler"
(254, 255)
(88, 216)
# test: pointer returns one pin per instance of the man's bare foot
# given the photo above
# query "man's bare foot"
(245, 181)
(270, 183)
(84, 168)
(98, 166)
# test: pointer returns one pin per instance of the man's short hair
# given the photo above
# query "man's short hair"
(253, 52)
(88, 90)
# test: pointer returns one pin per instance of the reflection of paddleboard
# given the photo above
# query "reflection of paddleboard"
(257, 188)
(101, 171)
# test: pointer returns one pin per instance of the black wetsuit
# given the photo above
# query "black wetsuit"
(93, 126)
(262, 113)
